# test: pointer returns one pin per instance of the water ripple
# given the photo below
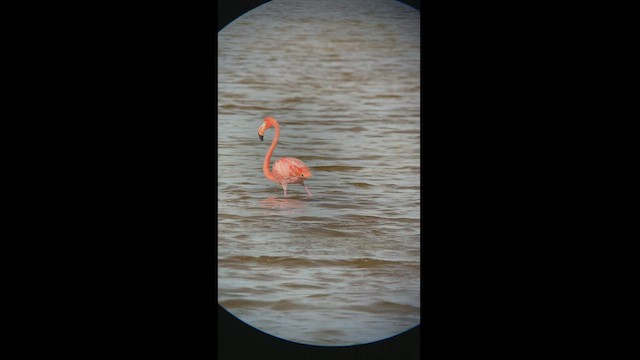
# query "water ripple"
(343, 80)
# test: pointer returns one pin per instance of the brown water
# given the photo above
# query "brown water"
(343, 79)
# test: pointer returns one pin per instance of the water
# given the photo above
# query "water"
(343, 80)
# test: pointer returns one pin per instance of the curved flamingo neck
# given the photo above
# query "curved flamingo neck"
(267, 159)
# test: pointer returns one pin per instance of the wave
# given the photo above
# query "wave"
(305, 262)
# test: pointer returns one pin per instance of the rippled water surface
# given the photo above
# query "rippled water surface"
(343, 80)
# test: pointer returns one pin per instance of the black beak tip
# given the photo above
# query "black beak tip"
(260, 136)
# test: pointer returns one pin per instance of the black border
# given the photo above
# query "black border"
(119, 203)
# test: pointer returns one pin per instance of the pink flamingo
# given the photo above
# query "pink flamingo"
(286, 170)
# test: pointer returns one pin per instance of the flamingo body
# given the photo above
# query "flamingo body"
(286, 170)
(290, 170)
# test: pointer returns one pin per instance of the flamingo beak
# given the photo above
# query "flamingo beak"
(260, 136)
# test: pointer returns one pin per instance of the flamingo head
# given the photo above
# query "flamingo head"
(267, 123)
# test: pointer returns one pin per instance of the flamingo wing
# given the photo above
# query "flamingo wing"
(288, 168)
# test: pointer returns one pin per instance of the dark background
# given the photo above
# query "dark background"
(117, 256)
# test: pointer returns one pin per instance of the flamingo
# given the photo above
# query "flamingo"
(286, 170)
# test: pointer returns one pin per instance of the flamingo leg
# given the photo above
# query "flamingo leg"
(307, 189)
(284, 187)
